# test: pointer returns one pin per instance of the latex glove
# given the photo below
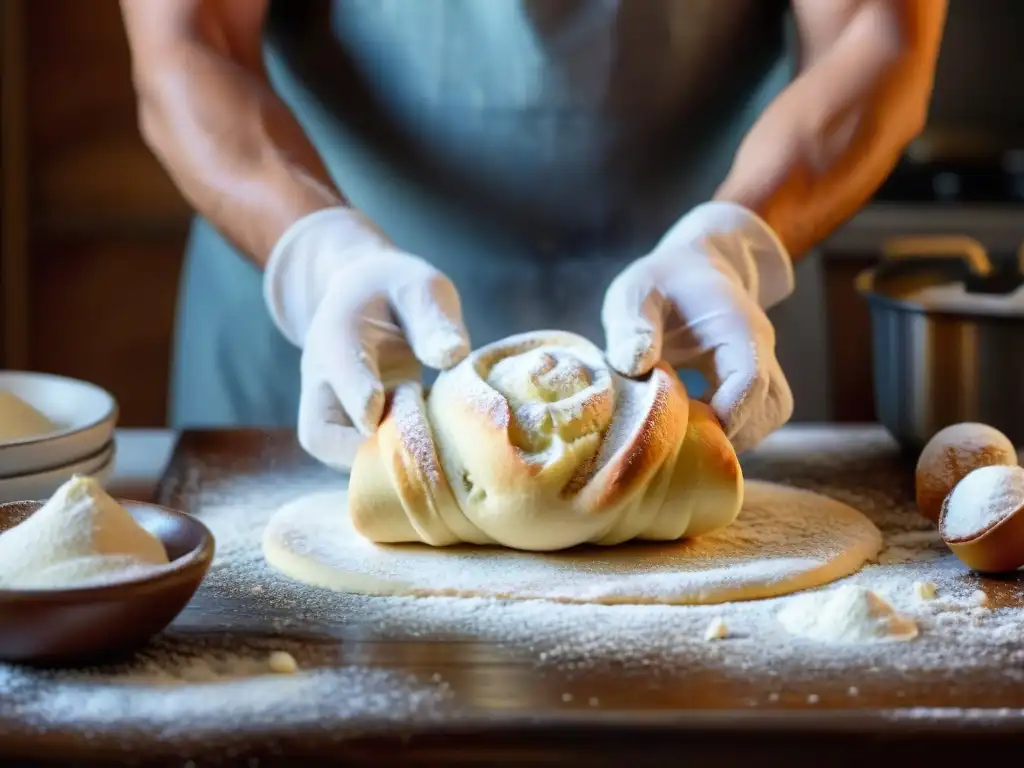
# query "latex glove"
(698, 301)
(366, 315)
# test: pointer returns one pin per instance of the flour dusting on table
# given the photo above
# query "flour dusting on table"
(194, 684)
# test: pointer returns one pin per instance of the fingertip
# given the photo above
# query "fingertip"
(444, 348)
(324, 430)
(333, 445)
(430, 314)
(747, 412)
(634, 355)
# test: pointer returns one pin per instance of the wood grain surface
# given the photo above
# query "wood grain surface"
(509, 709)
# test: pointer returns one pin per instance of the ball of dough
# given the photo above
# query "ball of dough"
(950, 455)
(535, 443)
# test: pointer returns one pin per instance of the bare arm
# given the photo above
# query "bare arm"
(828, 141)
(207, 110)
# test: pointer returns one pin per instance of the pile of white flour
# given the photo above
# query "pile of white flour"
(200, 680)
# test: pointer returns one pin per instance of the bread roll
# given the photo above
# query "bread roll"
(534, 443)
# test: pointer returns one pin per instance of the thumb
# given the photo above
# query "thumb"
(324, 430)
(632, 317)
(430, 313)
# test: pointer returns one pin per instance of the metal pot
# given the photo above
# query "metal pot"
(938, 363)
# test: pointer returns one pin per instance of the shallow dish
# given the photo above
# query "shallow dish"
(41, 485)
(87, 624)
(85, 414)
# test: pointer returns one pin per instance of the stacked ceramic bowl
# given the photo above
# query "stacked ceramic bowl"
(51, 428)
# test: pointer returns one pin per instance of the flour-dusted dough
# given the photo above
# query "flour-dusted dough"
(80, 536)
(535, 443)
(783, 541)
(19, 420)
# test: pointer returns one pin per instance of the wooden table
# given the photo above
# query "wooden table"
(512, 710)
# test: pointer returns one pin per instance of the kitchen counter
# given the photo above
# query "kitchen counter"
(463, 681)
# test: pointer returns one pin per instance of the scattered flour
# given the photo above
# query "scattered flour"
(371, 660)
(79, 537)
(985, 497)
(209, 690)
(847, 614)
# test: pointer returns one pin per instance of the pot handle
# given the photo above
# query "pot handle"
(967, 249)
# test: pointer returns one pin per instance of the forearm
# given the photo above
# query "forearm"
(232, 146)
(829, 140)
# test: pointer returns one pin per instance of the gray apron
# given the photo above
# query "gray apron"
(530, 149)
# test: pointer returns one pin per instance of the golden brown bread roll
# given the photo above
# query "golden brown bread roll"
(951, 454)
(534, 443)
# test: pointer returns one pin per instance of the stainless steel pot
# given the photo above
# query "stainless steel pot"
(936, 365)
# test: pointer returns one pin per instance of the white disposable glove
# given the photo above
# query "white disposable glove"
(698, 301)
(365, 314)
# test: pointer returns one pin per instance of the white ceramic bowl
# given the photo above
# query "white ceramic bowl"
(85, 414)
(40, 486)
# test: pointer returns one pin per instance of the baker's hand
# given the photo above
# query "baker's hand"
(366, 315)
(698, 301)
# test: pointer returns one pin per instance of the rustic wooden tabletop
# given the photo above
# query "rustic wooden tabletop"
(494, 699)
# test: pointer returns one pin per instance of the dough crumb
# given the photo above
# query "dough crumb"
(283, 663)
(925, 590)
(566, 697)
(716, 630)
(813, 698)
(980, 597)
(853, 690)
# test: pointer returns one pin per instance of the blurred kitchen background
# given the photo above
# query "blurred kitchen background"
(93, 229)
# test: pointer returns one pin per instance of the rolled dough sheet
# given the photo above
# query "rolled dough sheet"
(783, 541)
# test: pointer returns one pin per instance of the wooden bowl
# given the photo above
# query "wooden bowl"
(87, 624)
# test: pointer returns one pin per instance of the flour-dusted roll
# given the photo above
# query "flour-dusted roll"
(534, 443)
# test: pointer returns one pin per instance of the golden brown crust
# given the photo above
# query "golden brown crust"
(716, 490)
(650, 445)
(546, 450)
(951, 455)
(397, 468)
(935, 483)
